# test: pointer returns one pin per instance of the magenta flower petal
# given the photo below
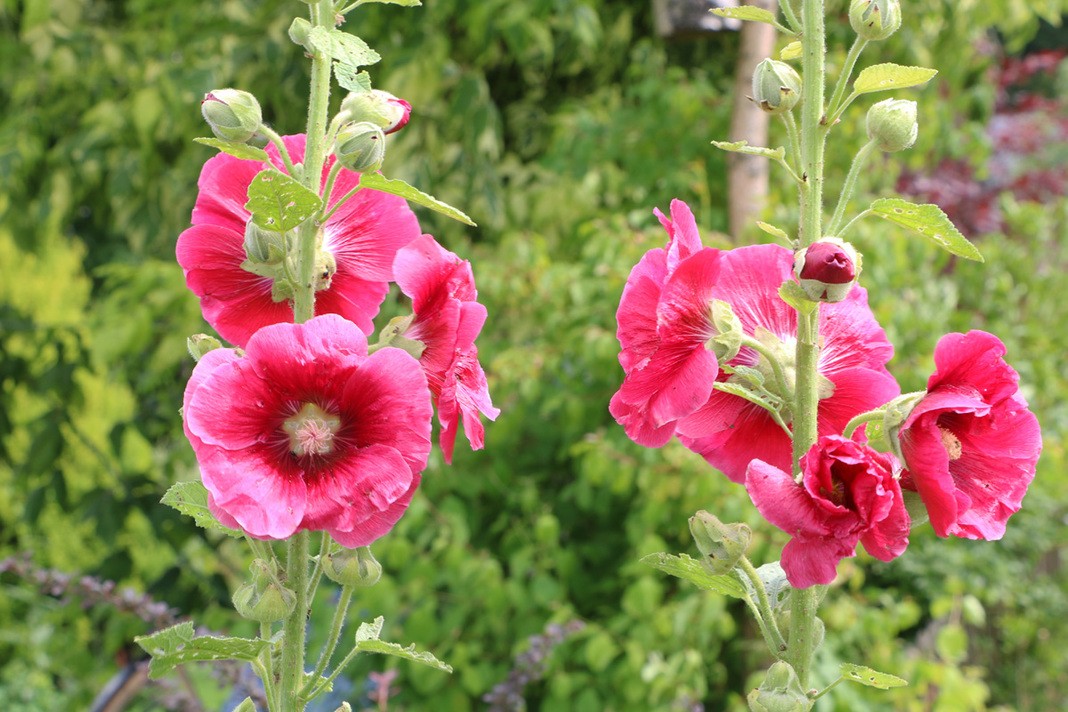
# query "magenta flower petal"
(636, 317)
(427, 273)
(971, 445)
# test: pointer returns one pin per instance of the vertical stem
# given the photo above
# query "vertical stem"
(803, 603)
(850, 185)
(293, 628)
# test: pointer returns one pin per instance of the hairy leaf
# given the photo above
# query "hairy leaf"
(190, 498)
(237, 150)
(375, 181)
(278, 202)
(885, 77)
(928, 221)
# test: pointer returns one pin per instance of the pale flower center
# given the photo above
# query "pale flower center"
(311, 431)
(951, 443)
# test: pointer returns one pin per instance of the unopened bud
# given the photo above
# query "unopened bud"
(232, 114)
(360, 147)
(776, 86)
(353, 567)
(827, 269)
(264, 246)
(729, 332)
(721, 545)
(892, 124)
(271, 604)
(875, 19)
(299, 31)
(779, 692)
(378, 107)
(200, 344)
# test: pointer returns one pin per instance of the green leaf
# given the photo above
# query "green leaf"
(351, 80)
(343, 47)
(176, 645)
(792, 293)
(750, 14)
(278, 202)
(778, 154)
(190, 498)
(928, 221)
(775, 583)
(773, 231)
(237, 150)
(884, 77)
(870, 678)
(747, 392)
(375, 181)
(790, 51)
(402, 3)
(691, 570)
(367, 642)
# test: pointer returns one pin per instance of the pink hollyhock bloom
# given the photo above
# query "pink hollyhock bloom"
(664, 325)
(847, 494)
(306, 431)
(971, 445)
(363, 236)
(447, 321)
(729, 431)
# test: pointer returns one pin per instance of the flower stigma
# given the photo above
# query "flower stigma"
(311, 431)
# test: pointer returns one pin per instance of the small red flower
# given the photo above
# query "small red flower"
(306, 431)
(447, 321)
(848, 494)
(363, 236)
(971, 445)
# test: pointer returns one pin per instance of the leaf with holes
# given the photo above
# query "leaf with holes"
(375, 181)
(928, 221)
(190, 498)
(351, 80)
(237, 150)
(683, 567)
(886, 77)
(343, 47)
(778, 154)
(278, 202)
(871, 678)
(367, 642)
(177, 645)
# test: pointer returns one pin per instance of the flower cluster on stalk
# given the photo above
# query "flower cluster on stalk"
(308, 426)
(968, 446)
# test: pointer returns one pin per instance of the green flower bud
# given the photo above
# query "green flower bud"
(780, 692)
(273, 603)
(232, 114)
(264, 247)
(776, 86)
(377, 107)
(892, 124)
(827, 269)
(875, 19)
(299, 31)
(360, 147)
(721, 545)
(200, 344)
(353, 567)
(729, 332)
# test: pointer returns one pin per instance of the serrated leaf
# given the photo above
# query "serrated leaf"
(375, 181)
(351, 80)
(237, 150)
(278, 202)
(871, 678)
(683, 567)
(928, 221)
(790, 51)
(342, 47)
(367, 641)
(191, 499)
(773, 231)
(778, 154)
(177, 645)
(884, 77)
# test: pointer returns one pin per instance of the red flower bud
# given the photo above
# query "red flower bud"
(827, 269)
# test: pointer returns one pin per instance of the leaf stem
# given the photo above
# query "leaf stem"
(337, 206)
(327, 653)
(850, 224)
(793, 141)
(827, 689)
(870, 417)
(768, 626)
(850, 185)
(274, 138)
(788, 13)
(843, 79)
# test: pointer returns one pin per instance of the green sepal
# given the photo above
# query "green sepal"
(790, 51)
(367, 641)
(235, 149)
(930, 222)
(776, 154)
(177, 645)
(683, 567)
(191, 499)
(375, 181)
(870, 678)
(794, 294)
(887, 77)
(278, 202)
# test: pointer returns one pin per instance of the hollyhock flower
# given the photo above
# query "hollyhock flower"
(848, 494)
(363, 237)
(730, 431)
(306, 431)
(664, 327)
(447, 320)
(971, 445)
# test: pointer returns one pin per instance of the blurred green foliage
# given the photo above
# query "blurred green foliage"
(558, 125)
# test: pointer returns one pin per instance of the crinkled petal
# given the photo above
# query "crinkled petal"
(749, 434)
(207, 365)
(263, 500)
(636, 317)
(429, 274)
(223, 192)
(783, 502)
(683, 237)
(638, 425)
(974, 360)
